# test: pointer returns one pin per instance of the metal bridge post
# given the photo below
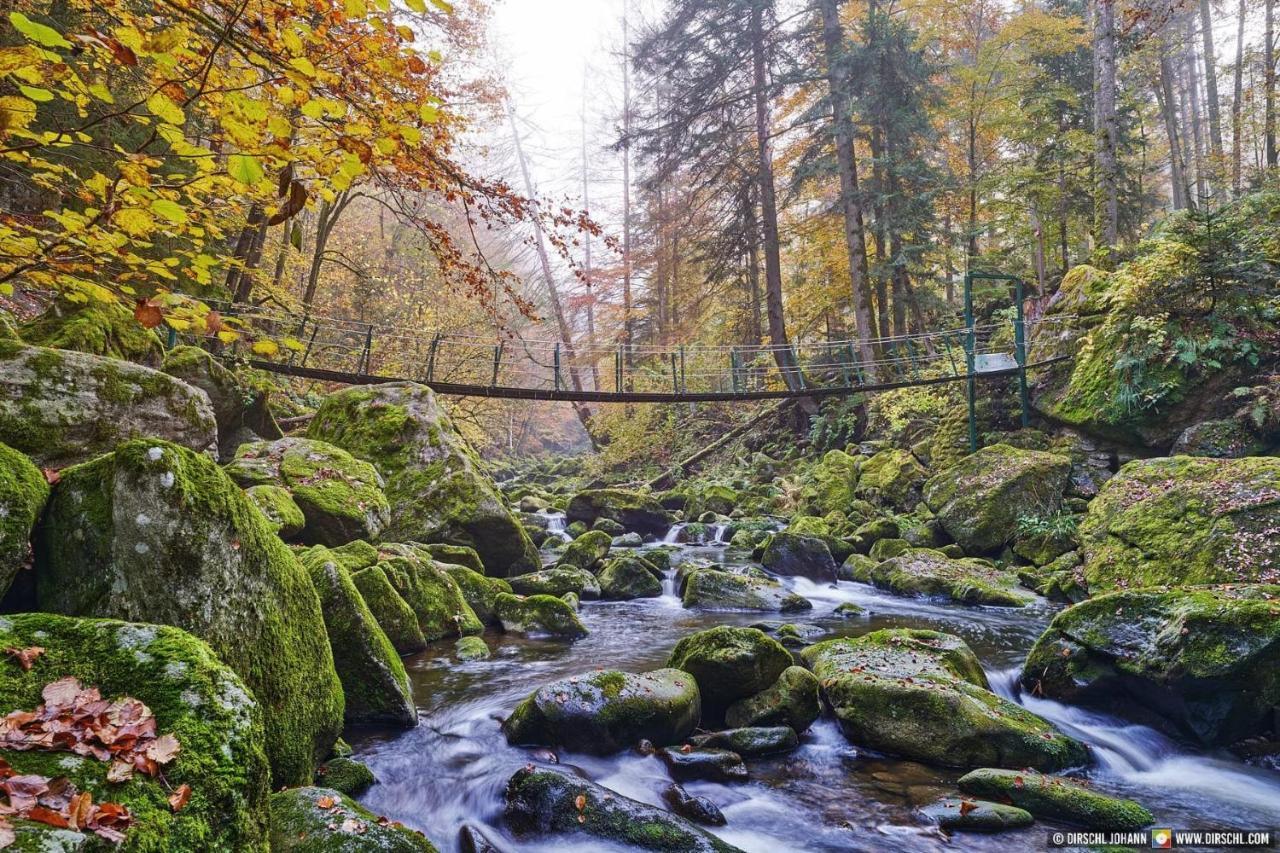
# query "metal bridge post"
(675, 382)
(1020, 353)
(684, 386)
(557, 367)
(734, 379)
(970, 345)
(846, 365)
(311, 341)
(795, 365)
(368, 351)
(431, 358)
(617, 369)
(946, 341)
(497, 360)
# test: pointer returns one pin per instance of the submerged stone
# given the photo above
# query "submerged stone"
(713, 765)
(1056, 798)
(538, 614)
(750, 741)
(697, 809)
(968, 815)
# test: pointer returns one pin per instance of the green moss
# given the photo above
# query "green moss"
(556, 581)
(628, 577)
(1056, 798)
(633, 510)
(538, 614)
(791, 701)
(831, 483)
(393, 613)
(716, 590)
(587, 550)
(193, 696)
(346, 776)
(155, 532)
(927, 572)
(355, 555)
(301, 824)
(97, 328)
(479, 591)
(893, 477)
(435, 598)
(471, 649)
(456, 555)
(279, 509)
(729, 664)
(23, 493)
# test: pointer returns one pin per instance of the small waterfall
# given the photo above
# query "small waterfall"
(673, 535)
(717, 533)
(555, 522)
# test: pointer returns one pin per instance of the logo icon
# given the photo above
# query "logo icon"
(1162, 839)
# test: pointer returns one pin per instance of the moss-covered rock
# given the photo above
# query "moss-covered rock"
(324, 820)
(455, 555)
(587, 551)
(967, 815)
(538, 614)
(1204, 662)
(1056, 798)
(374, 681)
(792, 554)
(1224, 438)
(240, 408)
(340, 496)
(893, 477)
(61, 407)
(709, 589)
(541, 802)
(345, 775)
(607, 711)
(479, 591)
(471, 648)
(107, 329)
(791, 701)
(629, 577)
(927, 572)
(751, 741)
(980, 499)
(192, 694)
(23, 494)
(1185, 520)
(394, 615)
(923, 695)
(830, 484)
(277, 505)
(633, 510)
(887, 549)
(157, 533)
(433, 595)
(729, 664)
(437, 486)
(689, 764)
(557, 581)
(857, 567)
(356, 555)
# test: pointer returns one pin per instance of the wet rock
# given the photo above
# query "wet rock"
(628, 540)
(61, 407)
(968, 815)
(923, 695)
(23, 495)
(1185, 520)
(587, 551)
(158, 533)
(393, 613)
(472, 840)
(345, 775)
(572, 600)
(715, 765)
(322, 819)
(928, 572)
(710, 589)
(557, 581)
(980, 499)
(1056, 798)
(790, 554)
(697, 809)
(750, 741)
(608, 711)
(471, 648)
(437, 486)
(791, 701)
(1203, 663)
(857, 567)
(629, 577)
(540, 801)
(893, 477)
(633, 510)
(438, 603)
(479, 591)
(608, 526)
(848, 610)
(538, 614)
(729, 664)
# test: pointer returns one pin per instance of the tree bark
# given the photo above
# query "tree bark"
(1211, 86)
(1269, 84)
(1107, 201)
(846, 161)
(1168, 110)
(1197, 125)
(1237, 114)
(626, 189)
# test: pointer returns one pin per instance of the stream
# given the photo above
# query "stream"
(827, 795)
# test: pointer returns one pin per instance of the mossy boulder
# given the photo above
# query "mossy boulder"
(374, 681)
(240, 409)
(455, 555)
(394, 615)
(633, 510)
(106, 329)
(479, 591)
(980, 499)
(927, 572)
(711, 589)
(1224, 438)
(962, 814)
(1185, 520)
(433, 595)
(471, 649)
(345, 775)
(324, 820)
(717, 498)
(557, 581)
(340, 496)
(893, 477)
(1202, 662)
(23, 494)
(729, 664)
(61, 407)
(278, 507)
(356, 555)
(791, 701)
(607, 711)
(542, 802)
(158, 533)
(752, 740)
(887, 549)
(830, 484)
(192, 694)
(923, 695)
(538, 614)
(587, 551)
(437, 486)
(857, 567)
(796, 555)
(1056, 798)
(628, 577)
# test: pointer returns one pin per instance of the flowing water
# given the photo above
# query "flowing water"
(827, 795)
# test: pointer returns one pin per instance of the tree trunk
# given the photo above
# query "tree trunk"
(756, 321)
(626, 189)
(1269, 84)
(1197, 125)
(847, 164)
(1107, 201)
(1168, 110)
(244, 245)
(586, 247)
(1211, 86)
(1037, 246)
(769, 209)
(1237, 114)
